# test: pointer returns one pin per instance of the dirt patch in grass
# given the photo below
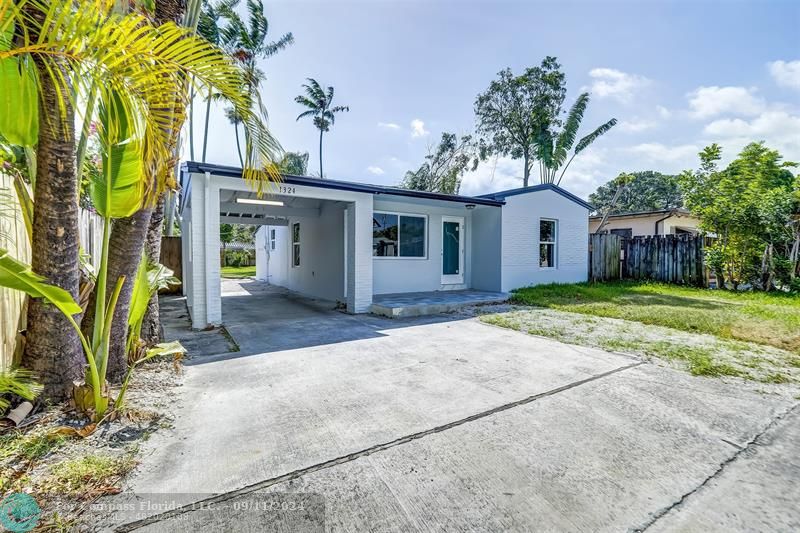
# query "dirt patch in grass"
(765, 318)
(700, 354)
(64, 473)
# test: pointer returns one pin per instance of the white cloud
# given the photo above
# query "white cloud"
(418, 128)
(612, 83)
(636, 125)
(389, 125)
(778, 129)
(665, 154)
(663, 112)
(711, 101)
(494, 175)
(785, 73)
(377, 171)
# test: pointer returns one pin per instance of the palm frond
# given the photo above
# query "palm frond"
(569, 133)
(270, 49)
(87, 42)
(589, 139)
(308, 113)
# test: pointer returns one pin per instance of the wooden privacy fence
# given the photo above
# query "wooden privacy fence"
(667, 258)
(171, 257)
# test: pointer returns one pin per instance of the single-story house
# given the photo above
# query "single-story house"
(644, 223)
(349, 241)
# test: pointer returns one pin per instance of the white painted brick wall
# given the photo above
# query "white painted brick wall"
(359, 255)
(520, 240)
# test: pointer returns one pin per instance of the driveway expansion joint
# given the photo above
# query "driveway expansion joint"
(740, 450)
(264, 484)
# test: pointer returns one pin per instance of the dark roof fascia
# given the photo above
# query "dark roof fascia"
(678, 211)
(541, 187)
(234, 172)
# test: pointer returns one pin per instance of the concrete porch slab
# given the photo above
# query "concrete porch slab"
(431, 303)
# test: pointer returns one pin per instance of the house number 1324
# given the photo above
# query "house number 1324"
(285, 189)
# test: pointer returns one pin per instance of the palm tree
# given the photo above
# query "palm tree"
(246, 43)
(552, 148)
(318, 102)
(132, 68)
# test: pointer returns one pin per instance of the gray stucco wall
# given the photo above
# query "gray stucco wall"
(486, 248)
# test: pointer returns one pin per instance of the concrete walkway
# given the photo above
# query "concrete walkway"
(359, 423)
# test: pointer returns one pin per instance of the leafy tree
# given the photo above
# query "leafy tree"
(647, 191)
(749, 207)
(444, 166)
(319, 102)
(295, 163)
(521, 116)
(514, 110)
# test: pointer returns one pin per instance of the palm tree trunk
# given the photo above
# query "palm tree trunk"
(129, 235)
(320, 153)
(238, 147)
(52, 349)
(151, 325)
(205, 129)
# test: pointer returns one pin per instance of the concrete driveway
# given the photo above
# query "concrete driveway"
(331, 422)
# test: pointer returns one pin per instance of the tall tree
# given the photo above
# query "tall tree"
(319, 102)
(514, 110)
(553, 146)
(444, 165)
(247, 42)
(647, 191)
(57, 359)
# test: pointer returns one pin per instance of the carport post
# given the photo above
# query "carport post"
(359, 254)
(205, 299)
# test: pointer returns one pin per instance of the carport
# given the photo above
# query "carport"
(212, 195)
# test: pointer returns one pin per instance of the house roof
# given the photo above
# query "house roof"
(637, 214)
(235, 172)
(541, 187)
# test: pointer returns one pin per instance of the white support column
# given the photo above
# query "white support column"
(204, 298)
(359, 255)
(213, 274)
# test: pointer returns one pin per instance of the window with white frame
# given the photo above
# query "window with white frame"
(296, 244)
(272, 239)
(548, 238)
(399, 235)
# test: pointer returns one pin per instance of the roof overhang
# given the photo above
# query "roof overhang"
(192, 167)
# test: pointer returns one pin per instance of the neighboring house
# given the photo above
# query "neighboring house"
(662, 222)
(346, 241)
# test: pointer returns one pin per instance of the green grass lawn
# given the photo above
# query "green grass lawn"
(238, 272)
(764, 318)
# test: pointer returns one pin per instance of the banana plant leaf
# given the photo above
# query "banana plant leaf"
(19, 106)
(118, 191)
(17, 275)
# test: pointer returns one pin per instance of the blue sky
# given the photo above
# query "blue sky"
(678, 75)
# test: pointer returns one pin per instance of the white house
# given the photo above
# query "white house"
(348, 241)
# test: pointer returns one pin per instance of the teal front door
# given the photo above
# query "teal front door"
(452, 250)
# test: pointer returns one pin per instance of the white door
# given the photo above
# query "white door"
(452, 250)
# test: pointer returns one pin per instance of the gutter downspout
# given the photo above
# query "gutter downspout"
(660, 220)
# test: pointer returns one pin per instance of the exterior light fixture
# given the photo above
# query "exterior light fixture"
(255, 201)
(470, 207)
